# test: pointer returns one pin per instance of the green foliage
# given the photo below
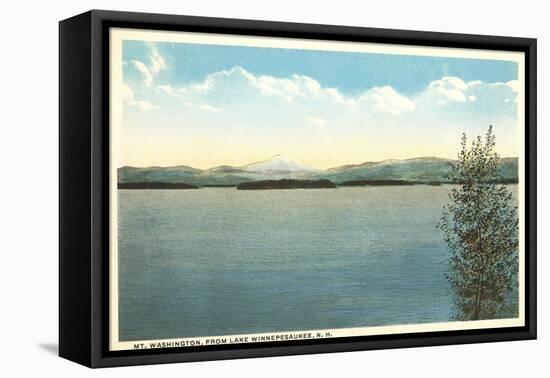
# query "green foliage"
(480, 226)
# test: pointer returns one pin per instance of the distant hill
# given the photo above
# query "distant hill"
(423, 170)
(417, 169)
(178, 173)
(278, 163)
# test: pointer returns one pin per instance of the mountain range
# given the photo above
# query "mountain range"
(422, 169)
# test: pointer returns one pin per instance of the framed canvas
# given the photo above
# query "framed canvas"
(235, 188)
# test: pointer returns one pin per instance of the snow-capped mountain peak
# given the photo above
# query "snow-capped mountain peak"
(278, 163)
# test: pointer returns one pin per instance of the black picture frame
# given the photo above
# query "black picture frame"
(84, 183)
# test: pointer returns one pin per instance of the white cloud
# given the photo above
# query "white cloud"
(317, 121)
(144, 70)
(286, 89)
(514, 85)
(208, 108)
(486, 98)
(239, 83)
(387, 100)
(168, 89)
(143, 105)
(157, 61)
(235, 76)
(156, 65)
(128, 98)
(448, 89)
(127, 93)
(202, 107)
(256, 102)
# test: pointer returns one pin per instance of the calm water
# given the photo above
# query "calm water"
(218, 261)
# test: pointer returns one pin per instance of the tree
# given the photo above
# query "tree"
(480, 227)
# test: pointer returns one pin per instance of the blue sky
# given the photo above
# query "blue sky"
(208, 105)
(350, 72)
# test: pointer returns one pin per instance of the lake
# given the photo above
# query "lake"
(220, 261)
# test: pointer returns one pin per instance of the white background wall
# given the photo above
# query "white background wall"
(28, 200)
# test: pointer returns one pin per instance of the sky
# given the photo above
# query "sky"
(210, 105)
